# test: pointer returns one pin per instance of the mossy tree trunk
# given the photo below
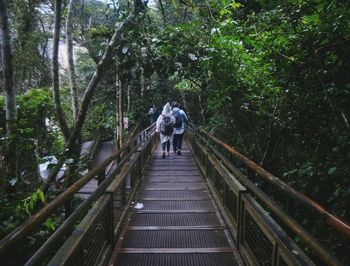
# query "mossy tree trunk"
(9, 89)
(71, 67)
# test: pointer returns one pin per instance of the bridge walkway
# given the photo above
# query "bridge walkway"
(174, 220)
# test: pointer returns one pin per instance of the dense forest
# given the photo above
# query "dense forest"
(270, 78)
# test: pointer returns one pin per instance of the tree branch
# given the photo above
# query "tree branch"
(71, 68)
(55, 71)
(162, 10)
(101, 67)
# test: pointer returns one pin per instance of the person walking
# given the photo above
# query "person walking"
(180, 125)
(152, 114)
(165, 125)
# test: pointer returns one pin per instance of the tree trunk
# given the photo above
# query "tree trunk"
(201, 106)
(120, 112)
(128, 98)
(55, 71)
(10, 94)
(72, 173)
(185, 105)
(71, 68)
(102, 65)
(117, 129)
(24, 35)
(9, 90)
(142, 81)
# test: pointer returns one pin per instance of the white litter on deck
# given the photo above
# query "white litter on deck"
(138, 206)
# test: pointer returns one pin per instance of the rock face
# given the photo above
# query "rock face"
(62, 55)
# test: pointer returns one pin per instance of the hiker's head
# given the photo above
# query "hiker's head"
(175, 104)
(166, 109)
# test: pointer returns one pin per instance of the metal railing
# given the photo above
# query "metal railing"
(92, 241)
(258, 225)
(101, 212)
(260, 240)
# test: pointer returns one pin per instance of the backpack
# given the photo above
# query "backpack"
(178, 119)
(166, 126)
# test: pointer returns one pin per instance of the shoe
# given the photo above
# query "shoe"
(163, 155)
(167, 154)
(178, 152)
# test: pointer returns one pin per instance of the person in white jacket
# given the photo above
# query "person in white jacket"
(180, 125)
(165, 125)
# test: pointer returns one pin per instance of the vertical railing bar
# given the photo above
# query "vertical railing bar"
(275, 254)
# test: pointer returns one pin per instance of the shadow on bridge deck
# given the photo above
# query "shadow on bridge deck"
(174, 220)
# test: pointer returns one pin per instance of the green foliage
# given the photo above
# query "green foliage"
(9, 217)
(33, 107)
(30, 202)
(270, 78)
(100, 117)
(33, 138)
(84, 66)
(14, 210)
(50, 224)
(30, 44)
(101, 31)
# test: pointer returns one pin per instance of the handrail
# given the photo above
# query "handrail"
(332, 220)
(136, 127)
(132, 135)
(96, 141)
(289, 221)
(36, 219)
(116, 199)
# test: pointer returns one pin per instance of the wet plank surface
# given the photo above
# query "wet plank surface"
(174, 220)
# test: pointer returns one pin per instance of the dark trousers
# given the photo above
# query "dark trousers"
(177, 143)
(167, 145)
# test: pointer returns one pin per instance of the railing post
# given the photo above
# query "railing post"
(123, 194)
(275, 256)
(128, 181)
(139, 162)
(100, 177)
(240, 219)
(111, 217)
(206, 164)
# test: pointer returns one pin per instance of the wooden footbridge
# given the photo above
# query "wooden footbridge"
(199, 208)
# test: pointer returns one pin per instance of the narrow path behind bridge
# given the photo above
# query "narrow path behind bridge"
(105, 150)
(174, 220)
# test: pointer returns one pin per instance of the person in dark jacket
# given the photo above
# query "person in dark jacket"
(180, 125)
